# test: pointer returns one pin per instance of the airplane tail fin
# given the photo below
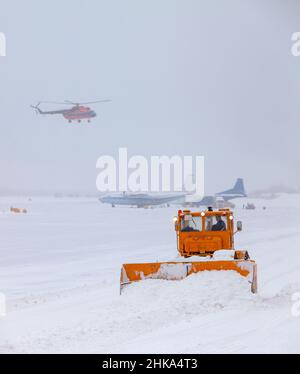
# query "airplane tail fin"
(239, 186)
(238, 190)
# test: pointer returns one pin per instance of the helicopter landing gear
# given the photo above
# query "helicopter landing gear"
(70, 121)
(79, 120)
(89, 120)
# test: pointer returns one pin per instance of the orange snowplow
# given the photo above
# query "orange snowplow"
(209, 235)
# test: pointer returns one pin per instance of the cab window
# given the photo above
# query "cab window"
(216, 223)
(190, 223)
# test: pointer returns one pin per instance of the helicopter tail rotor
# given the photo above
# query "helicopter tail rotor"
(36, 108)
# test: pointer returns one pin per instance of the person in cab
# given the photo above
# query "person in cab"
(220, 225)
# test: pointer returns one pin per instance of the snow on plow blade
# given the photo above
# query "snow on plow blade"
(180, 270)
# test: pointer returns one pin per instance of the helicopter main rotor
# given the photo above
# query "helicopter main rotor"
(68, 102)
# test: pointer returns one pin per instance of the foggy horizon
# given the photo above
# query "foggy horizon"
(185, 78)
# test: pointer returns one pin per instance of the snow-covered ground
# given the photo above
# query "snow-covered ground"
(60, 267)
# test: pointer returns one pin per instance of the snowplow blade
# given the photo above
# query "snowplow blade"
(180, 270)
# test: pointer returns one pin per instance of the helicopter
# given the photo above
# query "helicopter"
(77, 112)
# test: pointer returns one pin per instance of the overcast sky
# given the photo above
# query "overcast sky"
(188, 77)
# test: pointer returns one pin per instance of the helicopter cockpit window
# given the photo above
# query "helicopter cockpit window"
(190, 223)
(216, 223)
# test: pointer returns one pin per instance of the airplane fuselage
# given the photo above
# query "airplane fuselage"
(139, 200)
